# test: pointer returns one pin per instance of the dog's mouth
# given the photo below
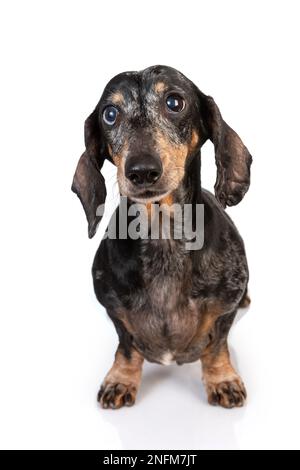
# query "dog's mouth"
(148, 195)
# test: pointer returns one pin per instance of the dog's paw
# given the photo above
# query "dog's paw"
(116, 395)
(228, 394)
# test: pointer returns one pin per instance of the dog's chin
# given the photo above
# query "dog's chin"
(147, 196)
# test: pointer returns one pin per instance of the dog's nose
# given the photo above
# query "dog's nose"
(143, 171)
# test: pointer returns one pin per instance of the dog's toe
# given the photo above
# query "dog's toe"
(228, 394)
(116, 395)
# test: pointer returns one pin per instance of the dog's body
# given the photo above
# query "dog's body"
(164, 299)
(167, 303)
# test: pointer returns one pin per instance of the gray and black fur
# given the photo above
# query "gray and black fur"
(167, 302)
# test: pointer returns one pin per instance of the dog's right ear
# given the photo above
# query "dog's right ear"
(88, 182)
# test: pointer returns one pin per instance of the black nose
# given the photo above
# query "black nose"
(143, 171)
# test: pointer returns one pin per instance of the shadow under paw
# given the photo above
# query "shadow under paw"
(116, 395)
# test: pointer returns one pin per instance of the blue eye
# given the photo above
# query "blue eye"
(175, 103)
(110, 115)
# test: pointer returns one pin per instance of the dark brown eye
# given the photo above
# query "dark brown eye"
(175, 103)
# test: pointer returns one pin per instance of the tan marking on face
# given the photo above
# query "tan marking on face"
(118, 158)
(160, 87)
(109, 150)
(117, 98)
(173, 158)
(194, 141)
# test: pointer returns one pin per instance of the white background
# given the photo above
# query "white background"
(56, 343)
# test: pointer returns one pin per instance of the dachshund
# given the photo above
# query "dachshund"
(167, 303)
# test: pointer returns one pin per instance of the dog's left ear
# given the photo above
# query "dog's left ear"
(233, 159)
(88, 182)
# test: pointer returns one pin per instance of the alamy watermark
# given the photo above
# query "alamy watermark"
(157, 221)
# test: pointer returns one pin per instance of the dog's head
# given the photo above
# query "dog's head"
(150, 124)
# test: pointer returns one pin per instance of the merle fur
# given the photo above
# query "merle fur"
(155, 291)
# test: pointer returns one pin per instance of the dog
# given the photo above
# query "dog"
(167, 303)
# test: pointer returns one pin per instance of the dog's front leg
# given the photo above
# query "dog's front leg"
(121, 384)
(223, 385)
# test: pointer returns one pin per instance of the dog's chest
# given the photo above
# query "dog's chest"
(166, 274)
(165, 318)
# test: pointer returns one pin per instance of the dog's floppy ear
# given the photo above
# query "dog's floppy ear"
(88, 182)
(233, 159)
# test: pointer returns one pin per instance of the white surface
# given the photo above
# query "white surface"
(56, 343)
